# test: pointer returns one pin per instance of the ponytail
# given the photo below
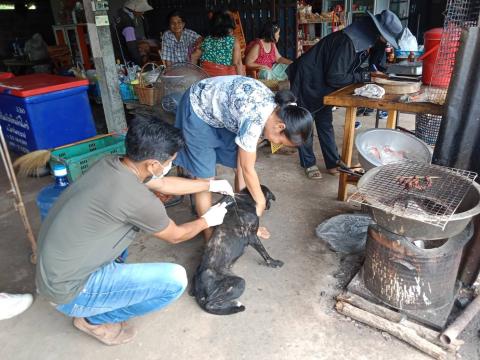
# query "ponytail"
(298, 120)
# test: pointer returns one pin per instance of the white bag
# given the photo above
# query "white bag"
(407, 41)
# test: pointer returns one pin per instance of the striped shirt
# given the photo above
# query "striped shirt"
(174, 50)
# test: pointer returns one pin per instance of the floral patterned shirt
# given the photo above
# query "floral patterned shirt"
(240, 104)
(218, 50)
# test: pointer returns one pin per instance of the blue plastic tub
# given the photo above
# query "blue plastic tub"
(47, 120)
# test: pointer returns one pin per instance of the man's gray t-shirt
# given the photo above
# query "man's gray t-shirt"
(92, 222)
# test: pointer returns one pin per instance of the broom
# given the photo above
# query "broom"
(33, 163)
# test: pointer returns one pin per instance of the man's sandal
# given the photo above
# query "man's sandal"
(313, 172)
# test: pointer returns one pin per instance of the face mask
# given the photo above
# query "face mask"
(165, 171)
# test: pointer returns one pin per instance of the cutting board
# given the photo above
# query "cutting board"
(398, 87)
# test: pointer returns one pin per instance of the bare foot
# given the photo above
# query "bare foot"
(263, 233)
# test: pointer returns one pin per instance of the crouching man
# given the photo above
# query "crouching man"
(97, 218)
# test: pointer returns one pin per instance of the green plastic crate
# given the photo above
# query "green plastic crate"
(79, 158)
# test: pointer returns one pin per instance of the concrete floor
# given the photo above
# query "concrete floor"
(289, 311)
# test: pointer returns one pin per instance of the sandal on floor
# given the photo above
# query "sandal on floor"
(313, 173)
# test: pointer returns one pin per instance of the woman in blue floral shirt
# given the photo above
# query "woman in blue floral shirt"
(222, 119)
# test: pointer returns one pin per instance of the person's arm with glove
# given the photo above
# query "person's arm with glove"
(175, 234)
(171, 185)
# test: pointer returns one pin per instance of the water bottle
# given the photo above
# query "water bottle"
(50, 193)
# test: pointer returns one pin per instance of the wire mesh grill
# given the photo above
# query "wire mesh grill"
(433, 204)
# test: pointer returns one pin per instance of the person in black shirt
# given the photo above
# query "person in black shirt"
(335, 62)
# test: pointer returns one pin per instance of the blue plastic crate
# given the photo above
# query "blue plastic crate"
(46, 121)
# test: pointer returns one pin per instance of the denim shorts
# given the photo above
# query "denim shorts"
(205, 146)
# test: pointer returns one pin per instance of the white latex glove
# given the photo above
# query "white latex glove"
(214, 216)
(221, 186)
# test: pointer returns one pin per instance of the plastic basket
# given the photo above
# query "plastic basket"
(147, 94)
(80, 157)
(427, 127)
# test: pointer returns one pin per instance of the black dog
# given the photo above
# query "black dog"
(214, 285)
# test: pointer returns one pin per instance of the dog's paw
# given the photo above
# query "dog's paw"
(275, 263)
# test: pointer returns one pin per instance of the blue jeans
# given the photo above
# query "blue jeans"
(117, 292)
(324, 124)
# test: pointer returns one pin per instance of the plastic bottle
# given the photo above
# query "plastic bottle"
(390, 54)
(411, 57)
(50, 193)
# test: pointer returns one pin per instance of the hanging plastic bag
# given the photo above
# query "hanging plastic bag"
(407, 41)
(277, 72)
(151, 76)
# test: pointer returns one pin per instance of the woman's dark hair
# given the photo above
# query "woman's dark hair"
(221, 24)
(176, 13)
(298, 120)
(152, 138)
(269, 30)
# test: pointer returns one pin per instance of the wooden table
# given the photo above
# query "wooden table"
(391, 103)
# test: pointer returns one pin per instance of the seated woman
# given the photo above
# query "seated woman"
(220, 52)
(263, 56)
(177, 41)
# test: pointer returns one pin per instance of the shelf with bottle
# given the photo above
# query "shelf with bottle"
(339, 11)
(309, 24)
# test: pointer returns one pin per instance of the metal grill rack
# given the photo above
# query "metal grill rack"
(434, 205)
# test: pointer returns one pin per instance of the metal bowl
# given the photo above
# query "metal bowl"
(468, 208)
(413, 148)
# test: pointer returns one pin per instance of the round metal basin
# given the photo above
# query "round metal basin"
(469, 207)
(396, 140)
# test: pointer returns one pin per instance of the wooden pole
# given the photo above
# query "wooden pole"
(426, 333)
(348, 137)
(399, 331)
(460, 323)
(104, 58)
(15, 190)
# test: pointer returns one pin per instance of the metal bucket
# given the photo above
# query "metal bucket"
(407, 277)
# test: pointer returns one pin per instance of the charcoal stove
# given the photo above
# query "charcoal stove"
(413, 251)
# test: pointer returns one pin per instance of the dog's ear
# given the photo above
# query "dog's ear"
(269, 196)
